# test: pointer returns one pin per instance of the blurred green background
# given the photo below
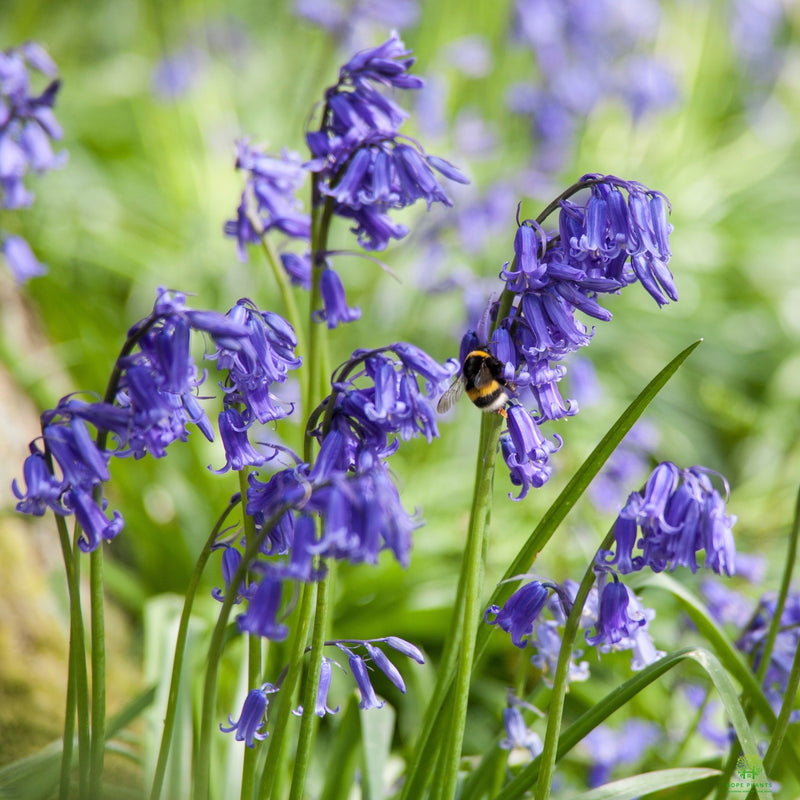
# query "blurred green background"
(150, 182)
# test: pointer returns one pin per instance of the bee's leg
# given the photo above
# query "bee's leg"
(502, 412)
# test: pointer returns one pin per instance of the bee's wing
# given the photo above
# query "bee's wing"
(483, 377)
(448, 399)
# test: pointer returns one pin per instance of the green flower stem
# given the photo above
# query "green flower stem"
(69, 722)
(473, 566)
(318, 332)
(253, 652)
(78, 677)
(783, 593)
(309, 720)
(273, 774)
(180, 651)
(98, 672)
(547, 760)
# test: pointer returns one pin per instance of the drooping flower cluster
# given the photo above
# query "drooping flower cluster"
(361, 168)
(153, 401)
(268, 200)
(365, 166)
(678, 514)
(254, 711)
(618, 617)
(253, 366)
(521, 617)
(345, 506)
(617, 235)
(27, 128)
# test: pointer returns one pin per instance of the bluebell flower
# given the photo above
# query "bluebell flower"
(287, 486)
(334, 301)
(358, 669)
(395, 405)
(404, 647)
(158, 381)
(321, 707)
(298, 268)
(679, 513)
(256, 361)
(95, 526)
(382, 662)
(83, 465)
(27, 129)
(518, 735)
(43, 489)
(158, 418)
(620, 620)
(523, 471)
(268, 201)
(27, 122)
(261, 617)
(520, 611)
(231, 559)
(546, 641)
(20, 259)
(361, 163)
(239, 453)
(253, 717)
(614, 622)
(363, 516)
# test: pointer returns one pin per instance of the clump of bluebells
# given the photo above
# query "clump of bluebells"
(361, 167)
(151, 401)
(678, 514)
(616, 236)
(27, 129)
(336, 501)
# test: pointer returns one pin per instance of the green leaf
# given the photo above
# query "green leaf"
(377, 727)
(638, 785)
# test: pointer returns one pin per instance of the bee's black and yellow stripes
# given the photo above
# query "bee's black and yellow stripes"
(483, 381)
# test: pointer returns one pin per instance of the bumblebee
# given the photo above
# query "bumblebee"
(482, 379)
